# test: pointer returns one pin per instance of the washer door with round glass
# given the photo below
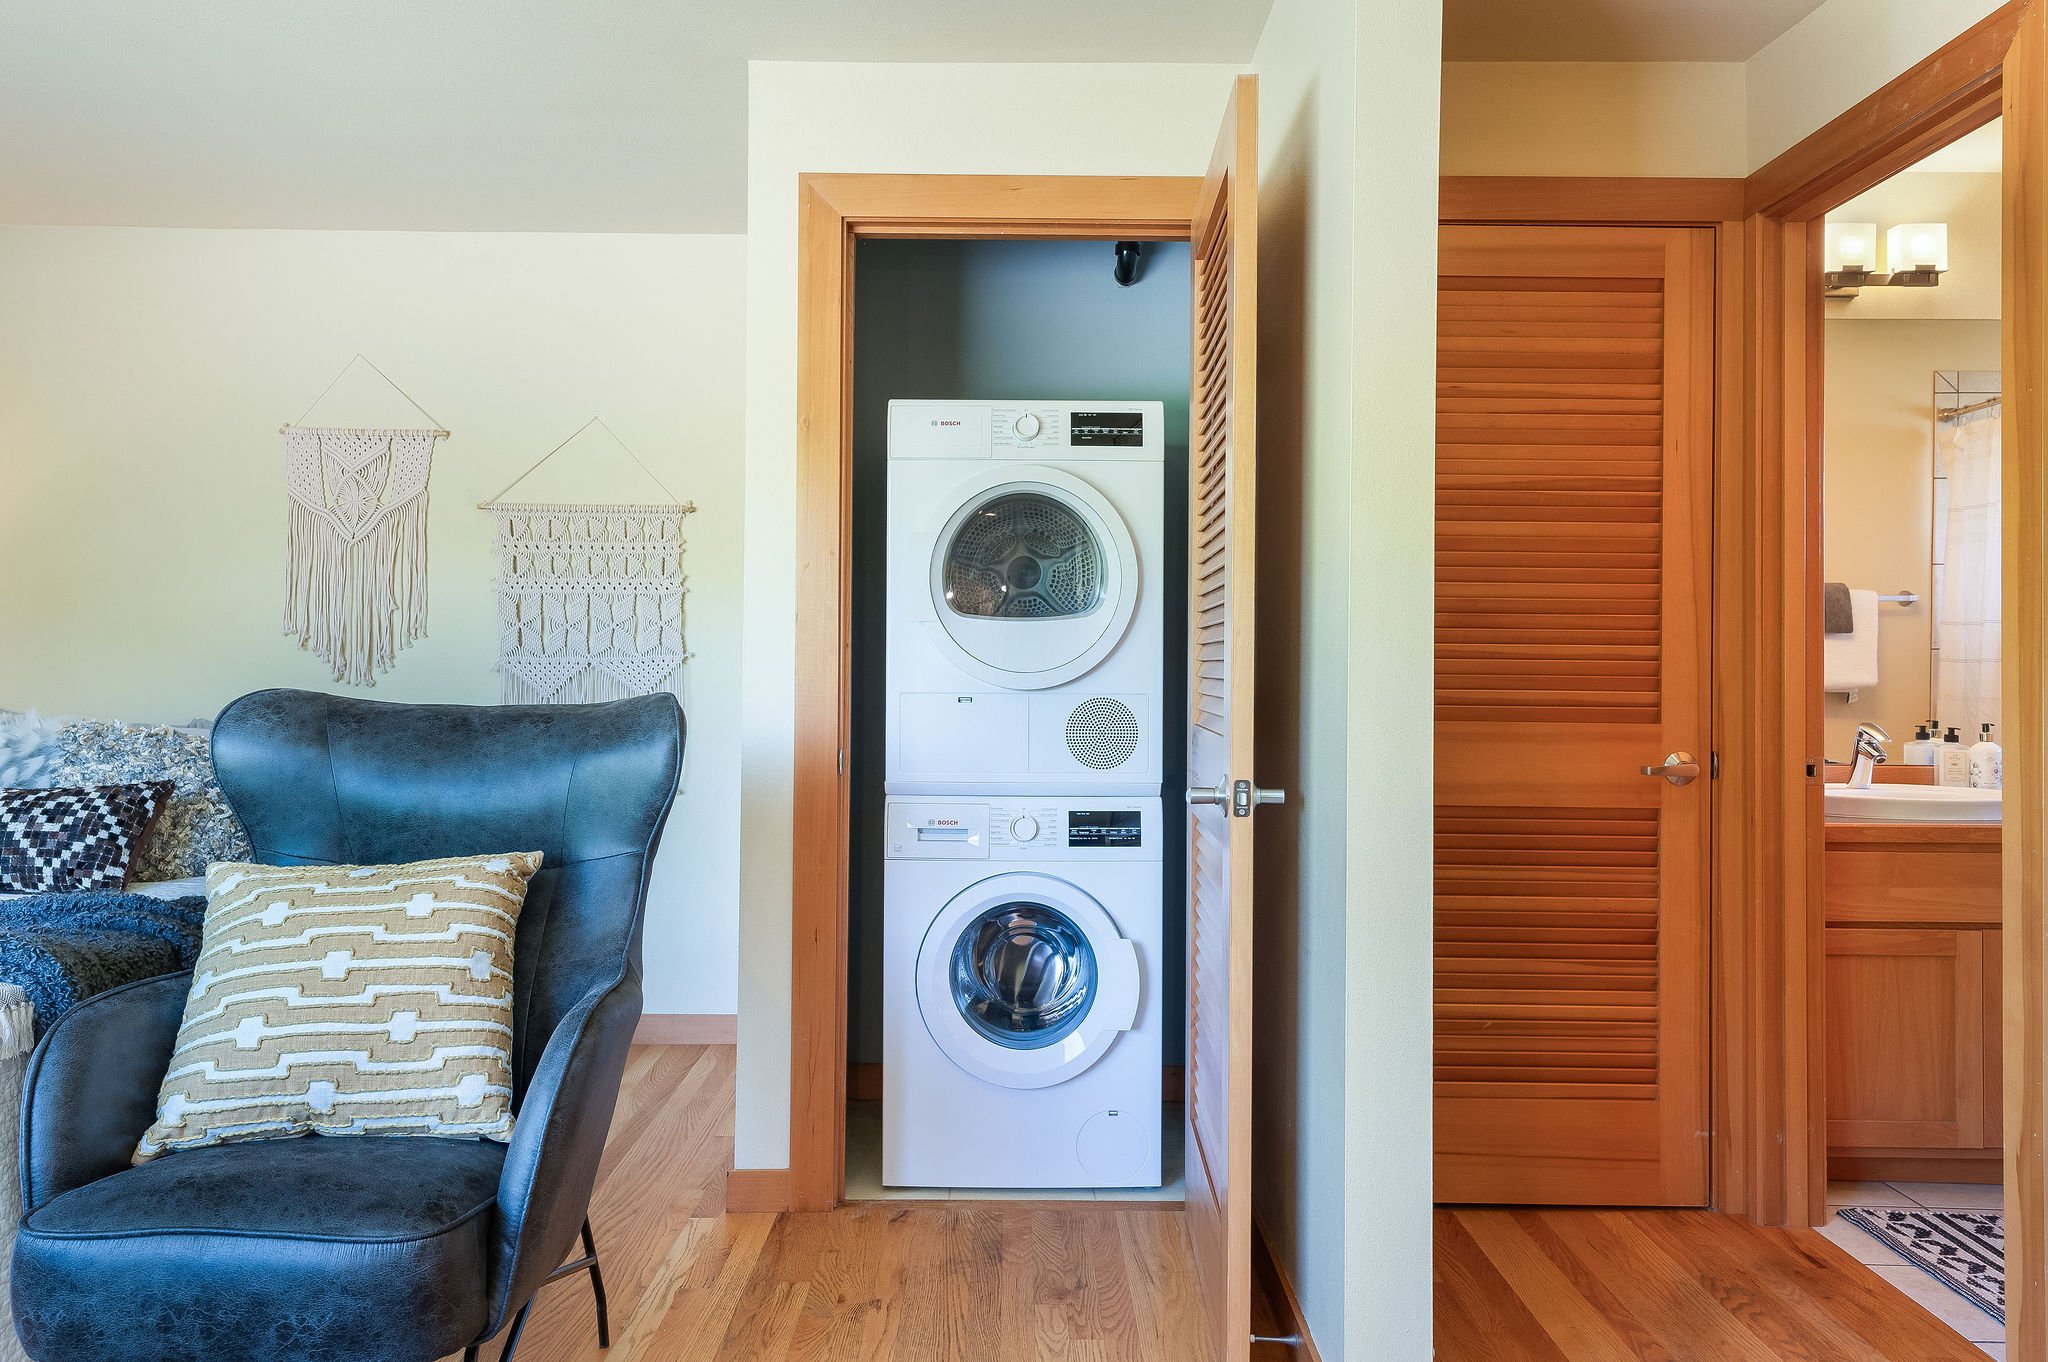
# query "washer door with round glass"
(1034, 578)
(1023, 980)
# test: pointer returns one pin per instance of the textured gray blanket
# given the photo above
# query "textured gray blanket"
(63, 948)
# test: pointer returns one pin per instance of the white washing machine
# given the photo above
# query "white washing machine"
(1021, 1018)
(1025, 607)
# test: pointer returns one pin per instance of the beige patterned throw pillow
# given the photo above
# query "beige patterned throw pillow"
(348, 1000)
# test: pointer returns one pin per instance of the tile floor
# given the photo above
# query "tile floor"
(864, 1169)
(1944, 1304)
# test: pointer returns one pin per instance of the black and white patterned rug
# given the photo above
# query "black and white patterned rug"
(1965, 1250)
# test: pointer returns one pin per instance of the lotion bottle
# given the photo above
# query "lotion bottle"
(1921, 751)
(1987, 763)
(1955, 760)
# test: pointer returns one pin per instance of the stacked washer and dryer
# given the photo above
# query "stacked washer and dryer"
(1022, 890)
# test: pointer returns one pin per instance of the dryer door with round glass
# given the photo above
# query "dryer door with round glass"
(1024, 980)
(1034, 578)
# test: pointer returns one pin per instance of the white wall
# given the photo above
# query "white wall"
(1391, 685)
(1838, 54)
(143, 377)
(1346, 488)
(1594, 118)
(1096, 119)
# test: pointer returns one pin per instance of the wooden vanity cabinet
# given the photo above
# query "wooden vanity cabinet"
(1914, 1024)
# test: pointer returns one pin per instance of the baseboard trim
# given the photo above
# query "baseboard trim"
(687, 1028)
(756, 1191)
(1279, 1294)
(864, 1082)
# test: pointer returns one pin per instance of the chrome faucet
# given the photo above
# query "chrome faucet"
(1870, 741)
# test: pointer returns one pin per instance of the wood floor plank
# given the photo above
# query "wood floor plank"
(1665, 1286)
(1479, 1318)
(933, 1281)
(1568, 1317)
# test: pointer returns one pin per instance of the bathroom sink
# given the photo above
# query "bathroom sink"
(1913, 804)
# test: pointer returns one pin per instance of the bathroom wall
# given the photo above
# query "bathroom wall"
(1877, 508)
(1008, 319)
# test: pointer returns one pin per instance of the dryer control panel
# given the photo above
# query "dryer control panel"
(1006, 430)
(1023, 828)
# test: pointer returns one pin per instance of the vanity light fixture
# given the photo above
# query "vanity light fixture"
(1915, 254)
(1851, 257)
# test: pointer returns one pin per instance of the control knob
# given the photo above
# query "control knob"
(1023, 828)
(1028, 425)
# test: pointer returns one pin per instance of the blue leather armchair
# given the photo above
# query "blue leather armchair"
(361, 1249)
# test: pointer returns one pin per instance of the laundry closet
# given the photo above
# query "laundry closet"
(1016, 990)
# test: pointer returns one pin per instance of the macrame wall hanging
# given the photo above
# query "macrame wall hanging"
(357, 542)
(590, 597)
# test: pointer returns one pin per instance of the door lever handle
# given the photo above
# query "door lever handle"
(1679, 768)
(1202, 794)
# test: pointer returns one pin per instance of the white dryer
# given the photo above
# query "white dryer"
(1021, 1025)
(1025, 597)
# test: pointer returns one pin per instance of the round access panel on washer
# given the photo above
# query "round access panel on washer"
(1112, 1145)
(1024, 981)
(1034, 578)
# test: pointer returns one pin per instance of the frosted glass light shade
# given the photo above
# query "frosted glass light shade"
(1851, 246)
(1917, 246)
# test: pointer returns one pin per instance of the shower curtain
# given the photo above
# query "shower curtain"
(1966, 691)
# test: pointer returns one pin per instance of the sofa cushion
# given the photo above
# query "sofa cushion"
(348, 1250)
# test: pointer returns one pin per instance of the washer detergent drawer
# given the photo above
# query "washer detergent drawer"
(926, 831)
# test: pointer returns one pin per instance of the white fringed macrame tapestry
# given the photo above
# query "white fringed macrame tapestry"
(357, 544)
(590, 601)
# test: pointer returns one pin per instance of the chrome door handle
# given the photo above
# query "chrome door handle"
(1201, 794)
(1679, 768)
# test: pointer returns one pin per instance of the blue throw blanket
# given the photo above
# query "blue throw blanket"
(61, 949)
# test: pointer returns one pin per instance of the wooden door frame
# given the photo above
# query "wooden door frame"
(835, 213)
(1770, 1145)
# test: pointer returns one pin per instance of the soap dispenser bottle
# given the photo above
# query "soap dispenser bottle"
(1987, 763)
(1921, 751)
(1955, 760)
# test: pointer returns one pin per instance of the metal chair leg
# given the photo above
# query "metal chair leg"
(604, 1322)
(469, 1354)
(518, 1327)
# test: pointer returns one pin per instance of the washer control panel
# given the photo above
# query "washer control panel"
(1022, 828)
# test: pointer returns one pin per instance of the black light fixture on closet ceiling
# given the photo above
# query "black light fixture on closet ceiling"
(1126, 263)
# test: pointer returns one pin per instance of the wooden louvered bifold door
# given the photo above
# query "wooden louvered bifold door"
(1574, 470)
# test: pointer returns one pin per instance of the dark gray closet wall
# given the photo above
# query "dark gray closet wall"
(1005, 320)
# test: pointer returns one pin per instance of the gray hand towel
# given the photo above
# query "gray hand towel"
(1836, 614)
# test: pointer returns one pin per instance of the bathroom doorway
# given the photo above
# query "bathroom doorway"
(1910, 883)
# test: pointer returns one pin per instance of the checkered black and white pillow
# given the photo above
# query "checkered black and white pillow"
(55, 841)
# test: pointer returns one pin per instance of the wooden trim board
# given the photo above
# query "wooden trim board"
(687, 1028)
(756, 1191)
(834, 213)
(1554, 201)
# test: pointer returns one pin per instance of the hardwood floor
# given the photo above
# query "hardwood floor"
(1664, 1286)
(988, 1281)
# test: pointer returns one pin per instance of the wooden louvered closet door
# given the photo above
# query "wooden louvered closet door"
(1222, 511)
(1574, 469)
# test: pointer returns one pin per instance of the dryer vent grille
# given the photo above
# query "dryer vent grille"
(1102, 733)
